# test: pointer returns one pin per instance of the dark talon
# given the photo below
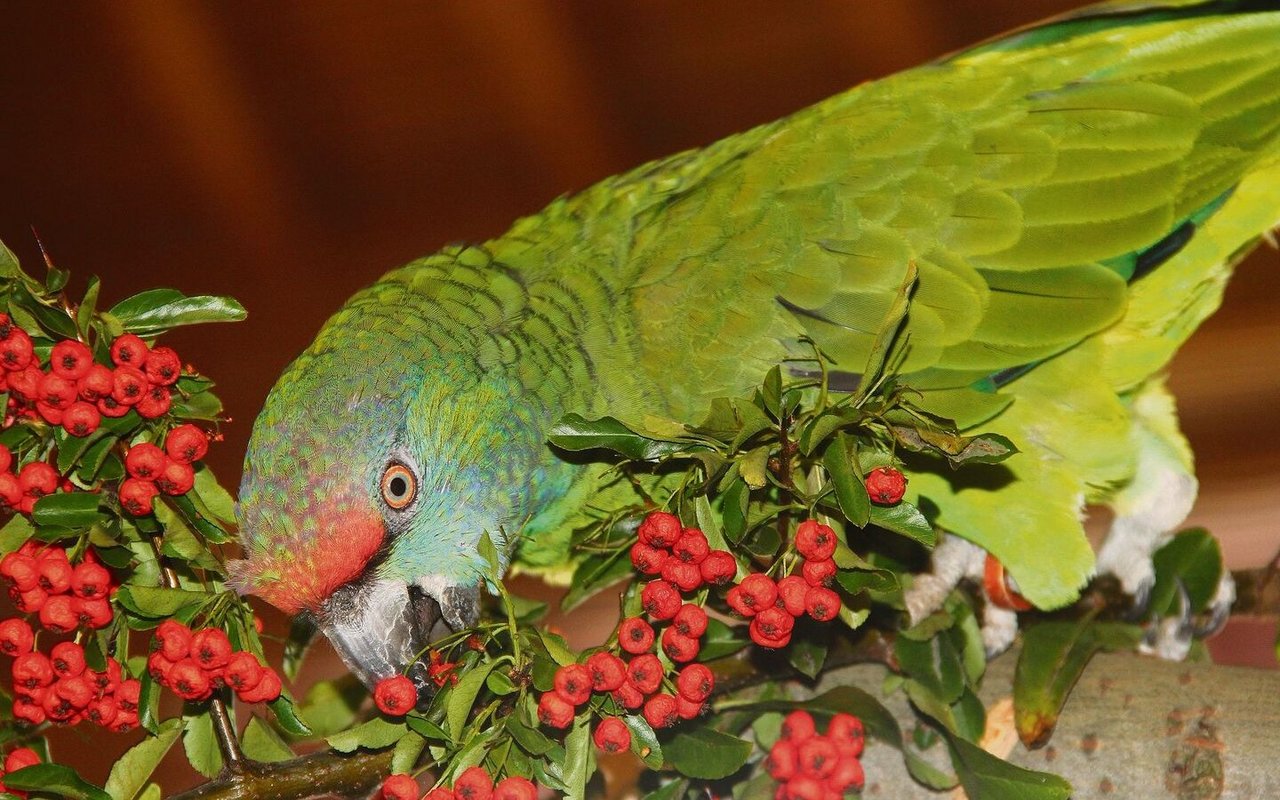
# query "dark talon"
(1186, 629)
(1219, 613)
(1137, 613)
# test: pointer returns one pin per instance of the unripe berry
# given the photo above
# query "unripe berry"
(612, 735)
(162, 366)
(573, 683)
(189, 681)
(58, 614)
(70, 360)
(772, 628)
(128, 386)
(680, 649)
(683, 575)
(96, 383)
(137, 496)
(718, 568)
(554, 711)
(16, 637)
(691, 547)
(791, 592)
(798, 727)
(607, 671)
(660, 529)
(473, 784)
(645, 673)
(783, 760)
(660, 711)
(695, 683)
(210, 648)
(660, 599)
(155, 402)
(90, 580)
(81, 418)
(635, 635)
(267, 690)
(244, 672)
(690, 621)
(648, 560)
(515, 787)
(822, 603)
(67, 659)
(885, 485)
(394, 696)
(93, 612)
(818, 573)
(176, 478)
(628, 696)
(399, 787)
(128, 350)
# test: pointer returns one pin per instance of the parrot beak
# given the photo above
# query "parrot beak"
(379, 627)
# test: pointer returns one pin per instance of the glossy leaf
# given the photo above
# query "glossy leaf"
(161, 309)
(55, 779)
(372, 735)
(67, 510)
(157, 602)
(133, 769)
(851, 493)
(595, 573)
(705, 753)
(1192, 558)
(463, 696)
(990, 778)
(201, 744)
(576, 433)
(261, 743)
(644, 742)
(905, 519)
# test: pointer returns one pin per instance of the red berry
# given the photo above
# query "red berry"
(635, 635)
(189, 680)
(58, 614)
(695, 683)
(660, 529)
(648, 560)
(102, 712)
(6, 458)
(439, 793)
(210, 648)
(679, 648)
(155, 403)
(691, 547)
(38, 479)
(128, 386)
(628, 696)
(57, 707)
(26, 382)
(798, 727)
(32, 713)
(815, 541)
(96, 383)
(684, 576)
(22, 570)
(782, 761)
(554, 711)
(660, 599)
(394, 696)
(174, 639)
(514, 787)
(67, 659)
(885, 485)
(772, 627)
(399, 787)
(806, 787)
(124, 722)
(473, 784)
(791, 592)
(127, 694)
(243, 672)
(267, 690)
(759, 591)
(20, 759)
(16, 350)
(645, 673)
(162, 366)
(847, 775)
(690, 621)
(177, 478)
(607, 671)
(70, 360)
(16, 637)
(30, 601)
(573, 683)
(77, 691)
(817, 573)
(56, 392)
(128, 350)
(186, 444)
(612, 735)
(81, 418)
(10, 490)
(818, 757)
(846, 733)
(93, 612)
(822, 603)
(158, 667)
(660, 711)
(32, 670)
(55, 571)
(109, 407)
(137, 496)
(50, 414)
(90, 580)
(719, 567)
(107, 680)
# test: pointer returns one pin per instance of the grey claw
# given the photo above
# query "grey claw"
(1137, 613)
(1186, 629)
(1218, 615)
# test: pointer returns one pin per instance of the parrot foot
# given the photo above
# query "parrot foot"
(954, 560)
(1171, 638)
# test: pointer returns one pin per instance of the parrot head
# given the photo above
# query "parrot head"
(367, 486)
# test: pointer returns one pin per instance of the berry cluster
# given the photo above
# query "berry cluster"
(193, 664)
(42, 581)
(885, 486)
(21, 758)
(773, 606)
(474, 783)
(812, 766)
(21, 488)
(153, 471)
(59, 688)
(74, 391)
(396, 696)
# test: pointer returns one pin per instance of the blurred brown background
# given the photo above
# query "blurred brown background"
(289, 153)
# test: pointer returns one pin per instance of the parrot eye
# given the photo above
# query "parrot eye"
(399, 486)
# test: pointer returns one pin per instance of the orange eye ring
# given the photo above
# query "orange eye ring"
(399, 486)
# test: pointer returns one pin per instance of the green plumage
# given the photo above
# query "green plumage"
(1024, 181)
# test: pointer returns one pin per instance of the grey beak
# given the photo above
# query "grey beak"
(379, 627)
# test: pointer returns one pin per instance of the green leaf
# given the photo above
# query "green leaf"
(771, 392)
(753, 466)
(302, 632)
(261, 743)
(556, 647)
(904, 518)
(644, 742)
(375, 734)
(671, 790)
(72, 448)
(54, 779)
(851, 492)
(720, 640)
(463, 696)
(132, 770)
(705, 753)
(576, 433)
(579, 759)
(407, 751)
(709, 523)
(426, 728)
(201, 744)
(534, 741)
(934, 663)
(67, 510)
(84, 312)
(594, 574)
(158, 310)
(1194, 558)
(157, 602)
(287, 716)
(986, 448)
(808, 650)
(148, 701)
(990, 778)
(15, 532)
(217, 500)
(733, 509)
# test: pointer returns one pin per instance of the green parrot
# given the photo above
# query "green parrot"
(1071, 196)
